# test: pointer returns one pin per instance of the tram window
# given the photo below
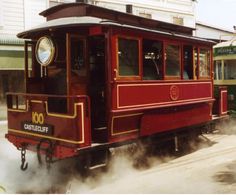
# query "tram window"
(204, 63)
(195, 66)
(172, 57)
(77, 57)
(229, 70)
(218, 70)
(152, 60)
(188, 62)
(128, 56)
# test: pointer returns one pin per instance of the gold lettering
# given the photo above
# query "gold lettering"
(37, 118)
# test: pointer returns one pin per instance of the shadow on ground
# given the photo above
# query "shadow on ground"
(227, 177)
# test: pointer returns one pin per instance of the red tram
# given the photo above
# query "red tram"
(98, 78)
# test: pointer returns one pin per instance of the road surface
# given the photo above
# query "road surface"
(209, 169)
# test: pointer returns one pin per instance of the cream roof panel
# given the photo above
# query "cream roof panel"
(226, 43)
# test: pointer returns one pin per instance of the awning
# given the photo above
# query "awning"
(10, 40)
(11, 60)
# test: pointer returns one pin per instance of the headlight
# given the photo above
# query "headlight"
(45, 51)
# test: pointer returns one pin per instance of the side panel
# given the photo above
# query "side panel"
(142, 109)
(37, 123)
(173, 118)
(125, 126)
(161, 94)
(223, 101)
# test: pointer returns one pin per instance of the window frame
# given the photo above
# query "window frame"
(218, 70)
(183, 61)
(210, 63)
(162, 58)
(140, 65)
(170, 77)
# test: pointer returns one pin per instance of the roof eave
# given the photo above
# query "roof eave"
(82, 9)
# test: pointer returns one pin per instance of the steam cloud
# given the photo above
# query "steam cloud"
(121, 177)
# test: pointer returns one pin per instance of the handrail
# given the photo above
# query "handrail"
(16, 106)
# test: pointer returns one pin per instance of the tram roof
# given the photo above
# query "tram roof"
(80, 14)
(88, 20)
(225, 50)
(83, 9)
(229, 43)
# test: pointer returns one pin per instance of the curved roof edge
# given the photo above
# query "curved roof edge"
(87, 20)
(61, 22)
(225, 50)
(83, 9)
(226, 43)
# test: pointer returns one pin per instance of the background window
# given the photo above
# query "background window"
(128, 57)
(188, 62)
(218, 70)
(204, 63)
(172, 60)
(195, 66)
(229, 70)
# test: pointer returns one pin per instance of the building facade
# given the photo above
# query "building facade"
(15, 16)
(213, 33)
(180, 12)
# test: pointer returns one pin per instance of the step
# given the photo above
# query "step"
(100, 128)
(97, 166)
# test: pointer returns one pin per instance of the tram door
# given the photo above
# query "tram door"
(86, 73)
(96, 89)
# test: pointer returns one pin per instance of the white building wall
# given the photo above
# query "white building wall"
(214, 33)
(19, 15)
(12, 16)
(164, 10)
(1, 14)
(32, 8)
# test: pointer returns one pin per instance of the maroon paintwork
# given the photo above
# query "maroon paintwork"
(223, 104)
(70, 131)
(134, 108)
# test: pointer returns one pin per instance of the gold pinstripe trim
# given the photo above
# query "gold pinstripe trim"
(124, 132)
(36, 101)
(62, 116)
(44, 136)
(222, 92)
